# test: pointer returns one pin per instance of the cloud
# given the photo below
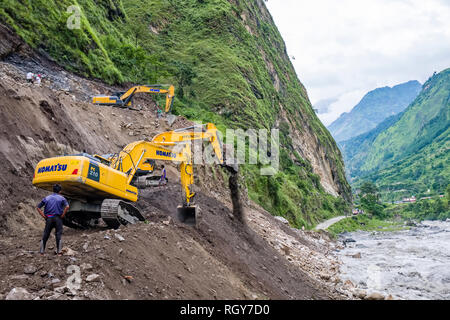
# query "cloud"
(344, 49)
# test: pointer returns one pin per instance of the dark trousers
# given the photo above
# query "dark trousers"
(50, 223)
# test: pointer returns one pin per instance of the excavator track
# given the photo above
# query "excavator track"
(118, 212)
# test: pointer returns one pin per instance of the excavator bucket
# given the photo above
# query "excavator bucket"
(187, 215)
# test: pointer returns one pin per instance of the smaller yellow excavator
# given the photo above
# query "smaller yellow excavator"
(104, 187)
(124, 99)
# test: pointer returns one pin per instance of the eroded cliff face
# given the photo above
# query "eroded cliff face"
(309, 137)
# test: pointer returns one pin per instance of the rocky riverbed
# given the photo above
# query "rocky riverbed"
(408, 264)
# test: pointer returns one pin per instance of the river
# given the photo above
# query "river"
(407, 264)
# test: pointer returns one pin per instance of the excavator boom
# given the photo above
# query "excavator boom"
(124, 99)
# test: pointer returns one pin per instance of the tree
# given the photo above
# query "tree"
(370, 200)
(185, 74)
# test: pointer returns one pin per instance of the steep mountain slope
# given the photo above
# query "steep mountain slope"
(412, 154)
(229, 65)
(253, 256)
(374, 107)
(356, 149)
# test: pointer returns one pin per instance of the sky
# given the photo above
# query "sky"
(342, 49)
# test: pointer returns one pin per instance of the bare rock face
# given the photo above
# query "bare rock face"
(9, 42)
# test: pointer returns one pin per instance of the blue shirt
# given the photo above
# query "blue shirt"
(54, 205)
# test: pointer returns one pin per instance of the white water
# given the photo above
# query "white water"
(409, 264)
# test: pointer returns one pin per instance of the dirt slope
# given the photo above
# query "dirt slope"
(223, 258)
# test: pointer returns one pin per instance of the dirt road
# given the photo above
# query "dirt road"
(328, 223)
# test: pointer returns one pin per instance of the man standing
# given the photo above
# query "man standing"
(30, 76)
(163, 179)
(56, 207)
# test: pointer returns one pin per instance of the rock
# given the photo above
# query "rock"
(283, 220)
(167, 222)
(120, 250)
(375, 296)
(357, 256)
(324, 276)
(30, 269)
(170, 118)
(56, 296)
(119, 237)
(361, 294)
(86, 266)
(18, 294)
(349, 284)
(19, 277)
(390, 297)
(93, 277)
(106, 237)
(55, 281)
(68, 252)
(86, 246)
(61, 289)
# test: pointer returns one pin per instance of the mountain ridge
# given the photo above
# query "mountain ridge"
(408, 153)
(373, 108)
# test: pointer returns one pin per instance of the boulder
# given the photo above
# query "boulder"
(86, 266)
(375, 296)
(119, 237)
(18, 294)
(93, 277)
(68, 252)
(283, 220)
(170, 118)
(30, 269)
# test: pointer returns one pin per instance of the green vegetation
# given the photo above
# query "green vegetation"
(365, 223)
(391, 217)
(369, 200)
(429, 209)
(407, 154)
(227, 61)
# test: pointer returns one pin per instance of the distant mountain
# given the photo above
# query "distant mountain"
(374, 107)
(407, 154)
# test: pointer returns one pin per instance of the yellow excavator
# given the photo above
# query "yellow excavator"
(124, 99)
(105, 187)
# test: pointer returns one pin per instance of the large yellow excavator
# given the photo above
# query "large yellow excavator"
(104, 187)
(124, 99)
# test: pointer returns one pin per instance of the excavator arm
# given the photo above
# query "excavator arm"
(170, 146)
(204, 132)
(124, 99)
